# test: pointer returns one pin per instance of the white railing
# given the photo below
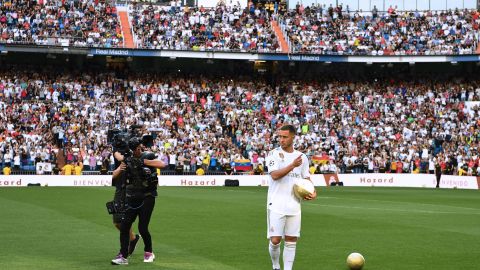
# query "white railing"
(283, 27)
(132, 31)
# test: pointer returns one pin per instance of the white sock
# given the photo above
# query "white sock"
(274, 254)
(289, 255)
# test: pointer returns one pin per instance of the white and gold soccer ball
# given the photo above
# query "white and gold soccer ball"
(355, 261)
(302, 188)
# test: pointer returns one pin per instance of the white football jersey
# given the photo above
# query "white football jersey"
(280, 192)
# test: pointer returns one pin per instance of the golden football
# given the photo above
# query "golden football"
(355, 261)
(302, 188)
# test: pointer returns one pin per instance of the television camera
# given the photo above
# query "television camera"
(119, 139)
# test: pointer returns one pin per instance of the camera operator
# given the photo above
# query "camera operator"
(119, 199)
(140, 191)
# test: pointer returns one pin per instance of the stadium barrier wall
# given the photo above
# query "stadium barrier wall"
(356, 180)
(172, 54)
(287, 57)
(404, 180)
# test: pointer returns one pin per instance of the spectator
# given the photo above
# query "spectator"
(313, 168)
(68, 169)
(172, 160)
(7, 170)
(200, 171)
(78, 168)
(104, 166)
(40, 170)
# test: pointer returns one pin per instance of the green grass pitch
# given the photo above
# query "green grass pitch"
(224, 228)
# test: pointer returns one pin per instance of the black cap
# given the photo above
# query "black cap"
(133, 143)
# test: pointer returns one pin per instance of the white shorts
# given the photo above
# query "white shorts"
(281, 225)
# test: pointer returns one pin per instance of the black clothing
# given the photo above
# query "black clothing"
(228, 169)
(139, 189)
(438, 174)
(144, 212)
(119, 198)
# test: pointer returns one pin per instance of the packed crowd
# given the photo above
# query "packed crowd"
(64, 118)
(84, 23)
(322, 30)
(223, 28)
(312, 29)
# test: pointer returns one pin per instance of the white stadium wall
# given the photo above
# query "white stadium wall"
(213, 3)
(408, 180)
(385, 4)
(354, 180)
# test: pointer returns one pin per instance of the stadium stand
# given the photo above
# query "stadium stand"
(61, 23)
(335, 31)
(312, 29)
(223, 28)
(59, 117)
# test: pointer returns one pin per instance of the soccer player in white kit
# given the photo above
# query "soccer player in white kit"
(285, 165)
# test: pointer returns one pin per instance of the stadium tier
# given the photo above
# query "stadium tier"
(397, 125)
(61, 23)
(196, 108)
(255, 28)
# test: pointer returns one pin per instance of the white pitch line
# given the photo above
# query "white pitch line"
(392, 209)
(244, 191)
(427, 204)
